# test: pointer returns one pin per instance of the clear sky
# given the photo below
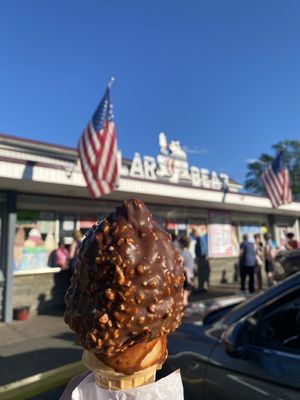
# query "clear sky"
(221, 76)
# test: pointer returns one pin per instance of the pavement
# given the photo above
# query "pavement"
(31, 350)
(37, 345)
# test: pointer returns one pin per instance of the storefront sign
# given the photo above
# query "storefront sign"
(220, 234)
(171, 165)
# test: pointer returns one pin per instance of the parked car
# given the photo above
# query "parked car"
(212, 309)
(287, 263)
(251, 352)
(218, 307)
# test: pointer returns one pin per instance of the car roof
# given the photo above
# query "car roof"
(289, 253)
(256, 301)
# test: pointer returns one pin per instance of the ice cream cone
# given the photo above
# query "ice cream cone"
(108, 378)
(126, 297)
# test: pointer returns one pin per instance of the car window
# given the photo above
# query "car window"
(290, 284)
(277, 325)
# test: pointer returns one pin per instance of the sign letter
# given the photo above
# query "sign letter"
(205, 178)
(195, 174)
(150, 167)
(215, 181)
(136, 168)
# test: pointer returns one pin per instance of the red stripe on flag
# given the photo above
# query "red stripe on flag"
(271, 191)
(110, 156)
(93, 183)
(95, 135)
(277, 186)
(91, 141)
(102, 154)
(86, 171)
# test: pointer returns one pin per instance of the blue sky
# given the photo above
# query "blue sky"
(221, 76)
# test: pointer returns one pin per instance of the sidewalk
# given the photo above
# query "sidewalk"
(39, 344)
(45, 342)
(228, 289)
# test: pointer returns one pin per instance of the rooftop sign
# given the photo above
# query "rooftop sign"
(171, 165)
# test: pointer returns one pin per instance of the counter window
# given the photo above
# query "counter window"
(34, 239)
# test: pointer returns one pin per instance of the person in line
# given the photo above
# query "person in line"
(247, 263)
(269, 254)
(201, 251)
(188, 268)
(62, 255)
(192, 249)
(175, 241)
(77, 237)
(259, 260)
(193, 239)
(291, 243)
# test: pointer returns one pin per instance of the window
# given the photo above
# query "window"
(277, 326)
(34, 239)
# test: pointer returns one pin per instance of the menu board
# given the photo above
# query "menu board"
(220, 234)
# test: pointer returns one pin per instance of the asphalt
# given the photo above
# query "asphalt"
(37, 345)
(44, 342)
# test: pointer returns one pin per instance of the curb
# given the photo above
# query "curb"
(40, 383)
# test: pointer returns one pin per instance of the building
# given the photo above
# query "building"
(43, 197)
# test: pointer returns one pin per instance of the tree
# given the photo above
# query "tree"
(291, 155)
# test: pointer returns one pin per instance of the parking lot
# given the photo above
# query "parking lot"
(44, 343)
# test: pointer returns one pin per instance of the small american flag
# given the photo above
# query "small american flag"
(97, 149)
(276, 181)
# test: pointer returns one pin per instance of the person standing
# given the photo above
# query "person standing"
(192, 247)
(269, 253)
(188, 268)
(175, 241)
(259, 260)
(77, 237)
(193, 239)
(61, 255)
(291, 243)
(247, 263)
(201, 251)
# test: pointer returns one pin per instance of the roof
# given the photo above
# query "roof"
(49, 169)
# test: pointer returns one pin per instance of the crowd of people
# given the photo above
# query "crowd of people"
(255, 257)
(258, 255)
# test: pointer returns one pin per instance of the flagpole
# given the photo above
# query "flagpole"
(111, 81)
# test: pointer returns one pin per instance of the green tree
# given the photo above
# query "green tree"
(291, 154)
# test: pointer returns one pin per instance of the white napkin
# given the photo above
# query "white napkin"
(166, 388)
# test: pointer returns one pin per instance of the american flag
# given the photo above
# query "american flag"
(97, 149)
(276, 181)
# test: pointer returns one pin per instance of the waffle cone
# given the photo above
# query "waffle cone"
(108, 378)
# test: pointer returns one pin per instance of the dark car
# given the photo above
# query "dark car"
(287, 263)
(251, 352)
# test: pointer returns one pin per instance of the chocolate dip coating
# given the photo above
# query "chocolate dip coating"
(127, 286)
